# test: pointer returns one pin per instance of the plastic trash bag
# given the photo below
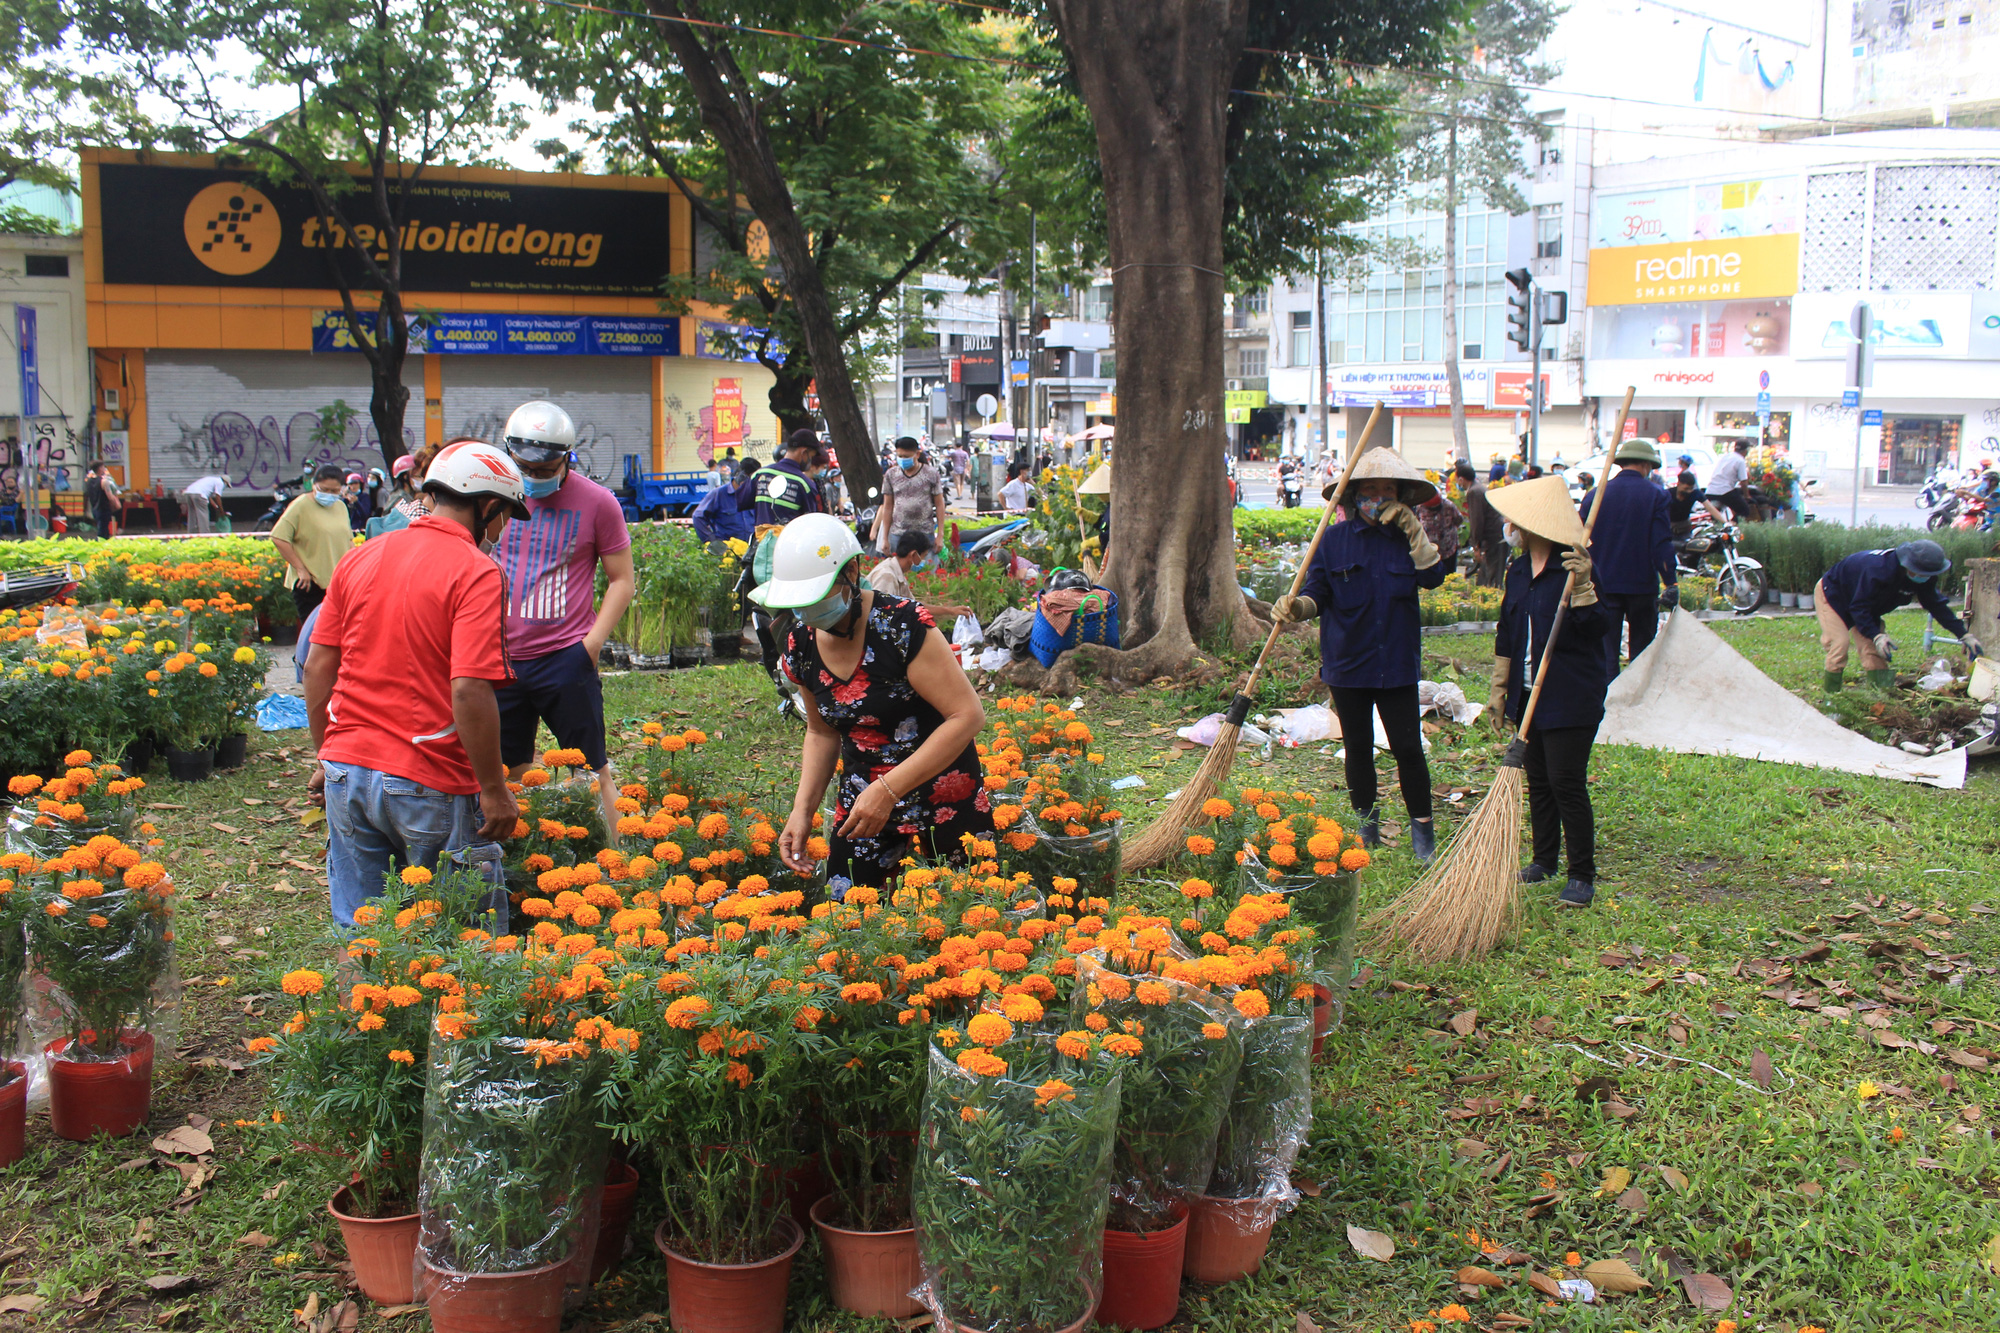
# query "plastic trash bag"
(1939, 676)
(967, 633)
(281, 712)
(1010, 1199)
(993, 659)
(1445, 697)
(1269, 1116)
(1294, 727)
(1208, 728)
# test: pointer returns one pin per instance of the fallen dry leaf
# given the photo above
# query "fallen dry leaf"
(1543, 1283)
(257, 1239)
(166, 1282)
(1615, 1181)
(1306, 1324)
(1633, 1201)
(1463, 1023)
(1675, 1179)
(184, 1139)
(1615, 1276)
(1510, 1257)
(275, 1190)
(1760, 1069)
(1371, 1244)
(1706, 1291)
(1471, 1148)
(398, 1311)
(1492, 1170)
(24, 1303)
(1479, 1277)
(1993, 1255)
(1307, 1186)
(1507, 1319)
(133, 1164)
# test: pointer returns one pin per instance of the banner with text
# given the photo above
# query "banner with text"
(480, 332)
(1734, 268)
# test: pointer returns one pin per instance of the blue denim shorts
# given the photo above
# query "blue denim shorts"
(377, 823)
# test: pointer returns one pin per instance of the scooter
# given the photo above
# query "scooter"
(1291, 489)
(1710, 552)
(281, 500)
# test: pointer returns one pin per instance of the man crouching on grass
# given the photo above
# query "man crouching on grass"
(399, 684)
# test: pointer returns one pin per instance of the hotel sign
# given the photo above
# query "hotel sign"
(1734, 268)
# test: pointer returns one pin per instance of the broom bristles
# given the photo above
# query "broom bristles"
(1469, 899)
(1163, 839)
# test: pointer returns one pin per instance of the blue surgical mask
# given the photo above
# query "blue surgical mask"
(829, 610)
(907, 464)
(1370, 507)
(541, 489)
(326, 499)
(1920, 578)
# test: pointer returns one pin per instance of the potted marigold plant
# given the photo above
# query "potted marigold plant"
(1176, 1092)
(1065, 825)
(13, 1006)
(349, 1069)
(100, 924)
(193, 711)
(1013, 1173)
(513, 1153)
(242, 679)
(89, 799)
(713, 1092)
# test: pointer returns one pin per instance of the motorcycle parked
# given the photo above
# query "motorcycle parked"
(281, 500)
(1709, 551)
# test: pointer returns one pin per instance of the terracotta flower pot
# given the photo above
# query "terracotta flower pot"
(614, 1218)
(111, 1096)
(1225, 1239)
(528, 1301)
(869, 1272)
(13, 1111)
(383, 1250)
(1142, 1276)
(1322, 1016)
(729, 1298)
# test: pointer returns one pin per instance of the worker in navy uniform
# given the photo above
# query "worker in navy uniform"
(1853, 596)
(1362, 585)
(1564, 727)
(1632, 551)
(780, 493)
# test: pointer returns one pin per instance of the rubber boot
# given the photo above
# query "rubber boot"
(1371, 829)
(1423, 840)
(1883, 678)
(1833, 682)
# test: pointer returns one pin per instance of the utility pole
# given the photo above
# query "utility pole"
(1860, 376)
(1034, 325)
(902, 334)
(1319, 359)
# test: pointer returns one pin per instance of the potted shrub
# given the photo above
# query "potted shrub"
(513, 1153)
(100, 924)
(13, 1006)
(713, 1091)
(88, 800)
(193, 704)
(243, 669)
(1067, 824)
(349, 1067)
(1316, 862)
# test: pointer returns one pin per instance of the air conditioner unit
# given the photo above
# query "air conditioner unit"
(1235, 385)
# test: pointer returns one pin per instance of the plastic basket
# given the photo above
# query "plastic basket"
(1084, 627)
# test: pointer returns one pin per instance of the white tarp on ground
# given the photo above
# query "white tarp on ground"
(1693, 694)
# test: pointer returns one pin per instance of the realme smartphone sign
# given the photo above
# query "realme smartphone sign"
(1735, 268)
(203, 226)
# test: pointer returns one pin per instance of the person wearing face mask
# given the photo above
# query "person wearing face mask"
(555, 627)
(886, 701)
(912, 500)
(312, 535)
(407, 650)
(1853, 596)
(1362, 585)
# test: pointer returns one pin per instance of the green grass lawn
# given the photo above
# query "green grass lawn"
(1841, 926)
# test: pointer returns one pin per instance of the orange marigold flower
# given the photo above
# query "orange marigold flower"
(403, 1057)
(738, 1073)
(370, 1021)
(1214, 1031)
(1458, 1314)
(414, 875)
(304, 981)
(1075, 1045)
(983, 1063)
(1354, 859)
(1054, 1090)
(1123, 1044)
(1153, 992)
(861, 992)
(683, 1012)
(259, 1045)
(1251, 1004)
(988, 1030)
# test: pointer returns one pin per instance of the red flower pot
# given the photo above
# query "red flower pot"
(870, 1272)
(1142, 1276)
(1226, 1238)
(529, 1301)
(729, 1298)
(383, 1250)
(110, 1096)
(804, 1184)
(13, 1111)
(1322, 1016)
(614, 1218)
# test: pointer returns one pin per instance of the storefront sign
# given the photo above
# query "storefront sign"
(464, 333)
(728, 407)
(1730, 209)
(30, 365)
(1386, 397)
(1645, 217)
(734, 342)
(1509, 388)
(1106, 406)
(1731, 269)
(1920, 324)
(203, 226)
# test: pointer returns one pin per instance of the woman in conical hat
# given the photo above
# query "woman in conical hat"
(1554, 545)
(1363, 587)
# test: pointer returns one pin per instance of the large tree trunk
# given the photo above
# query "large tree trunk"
(389, 397)
(1155, 76)
(728, 107)
(1461, 445)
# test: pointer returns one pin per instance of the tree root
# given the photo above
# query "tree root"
(1160, 661)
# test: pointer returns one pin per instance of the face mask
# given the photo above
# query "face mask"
(541, 489)
(1371, 507)
(907, 464)
(829, 610)
(1921, 578)
(325, 499)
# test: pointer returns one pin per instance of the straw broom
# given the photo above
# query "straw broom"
(1163, 838)
(1471, 895)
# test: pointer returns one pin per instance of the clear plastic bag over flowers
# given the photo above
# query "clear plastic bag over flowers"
(1269, 1116)
(1091, 860)
(561, 825)
(1176, 1090)
(100, 927)
(513, 1163)
(1012, 1184)
(1330, 904)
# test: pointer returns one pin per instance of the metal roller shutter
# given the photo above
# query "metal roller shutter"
(609, 397)
(1426, 441)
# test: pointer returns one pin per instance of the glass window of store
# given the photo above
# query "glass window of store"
(1394, 309)
(1693, 329)
(1661, 425)
(1302, 338)
(1912, 447)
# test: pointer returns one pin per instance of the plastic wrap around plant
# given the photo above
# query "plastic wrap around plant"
(1330, 904)
(13, 974)
(1175, 1091)
(561, 825)
(27, 831)
(1270, 1114)
(101, 929)
(513, 1159)
(1011, 1192)
(1091, 860)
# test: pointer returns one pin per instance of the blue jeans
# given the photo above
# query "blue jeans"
(377, 823)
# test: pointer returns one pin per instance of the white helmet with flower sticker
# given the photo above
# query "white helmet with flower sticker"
(809, 555)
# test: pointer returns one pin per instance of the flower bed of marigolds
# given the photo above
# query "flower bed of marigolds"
(673, 1082)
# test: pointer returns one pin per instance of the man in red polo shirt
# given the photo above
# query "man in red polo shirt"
(400, 680)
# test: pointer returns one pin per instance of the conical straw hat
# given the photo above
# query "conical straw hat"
(1098, 482)
(1411, 486)
(1541, 506)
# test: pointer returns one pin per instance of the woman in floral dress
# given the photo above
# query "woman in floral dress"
(886, 699)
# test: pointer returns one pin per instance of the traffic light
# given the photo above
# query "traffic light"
(1555, 307)
(1521, 327)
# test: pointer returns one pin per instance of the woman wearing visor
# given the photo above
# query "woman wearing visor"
(885, 698)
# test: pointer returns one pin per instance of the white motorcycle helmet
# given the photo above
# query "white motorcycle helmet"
(474, 469)
(539, 432)
(807, 559)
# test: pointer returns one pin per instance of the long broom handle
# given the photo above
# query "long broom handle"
(1305, 566)
(1569, 583)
